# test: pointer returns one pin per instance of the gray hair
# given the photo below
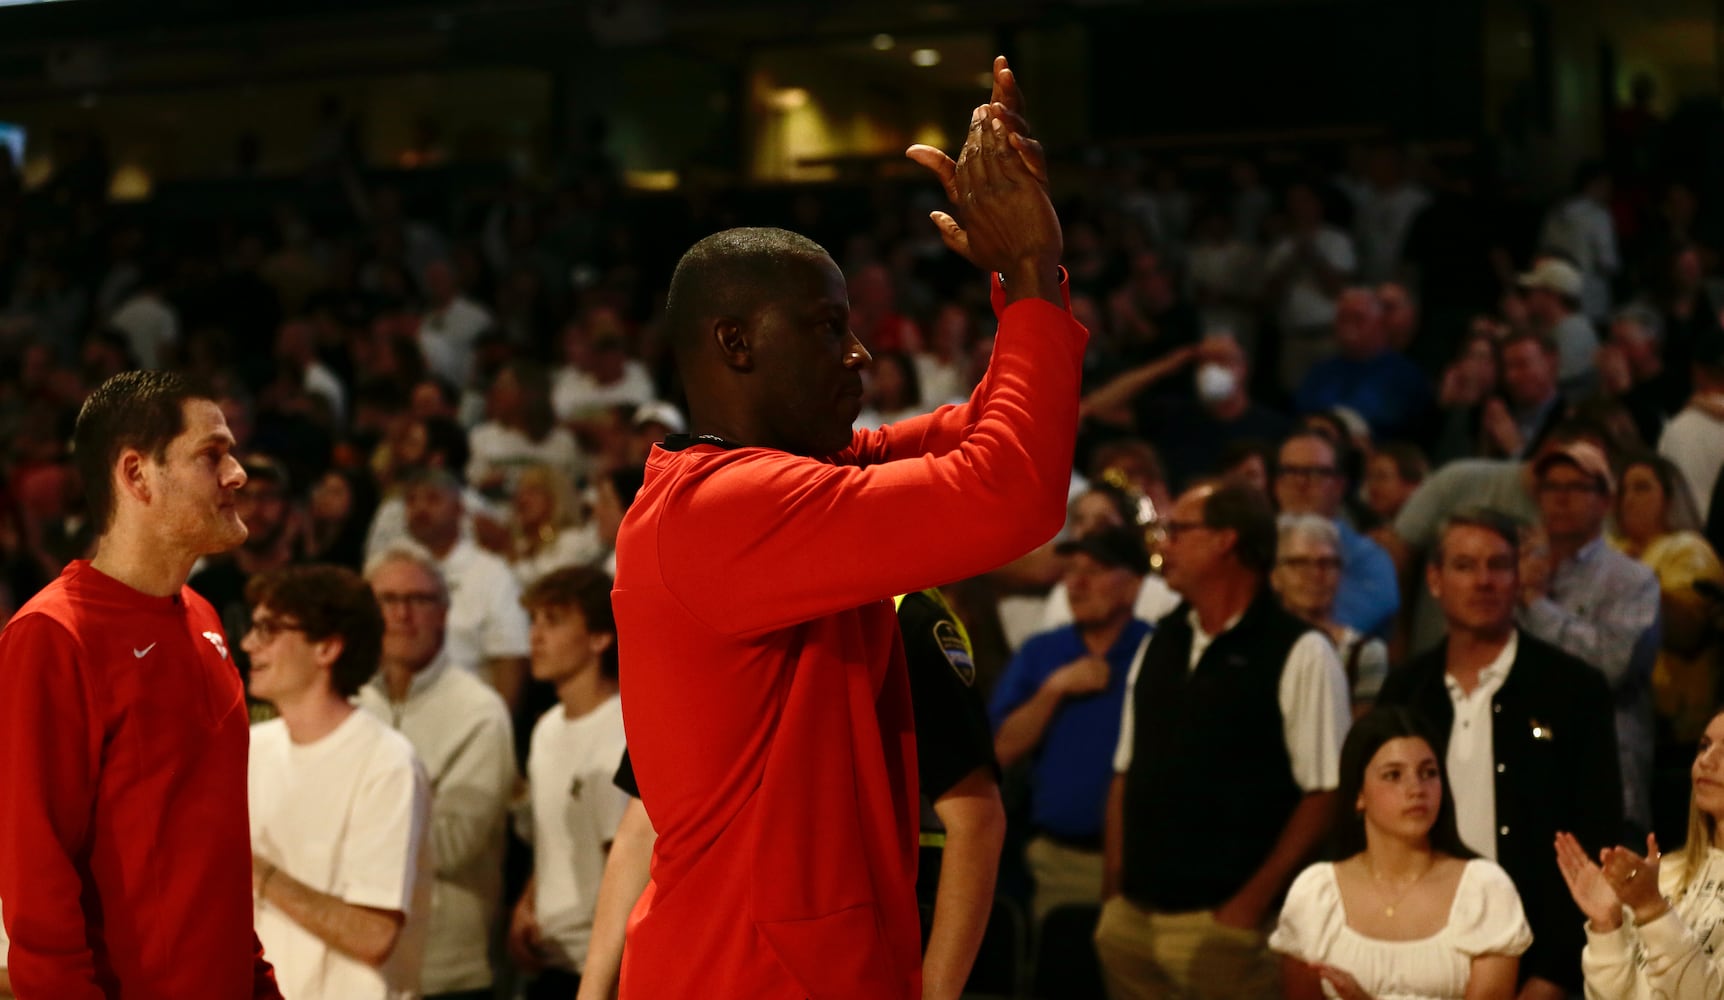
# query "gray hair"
(1311, 527)
(406, 552)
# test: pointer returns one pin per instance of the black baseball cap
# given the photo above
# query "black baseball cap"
(1120, 547)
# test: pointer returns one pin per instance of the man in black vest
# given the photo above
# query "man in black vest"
(1230, 741)
(1529, 737)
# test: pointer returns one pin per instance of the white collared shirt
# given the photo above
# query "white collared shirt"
(1472, 752)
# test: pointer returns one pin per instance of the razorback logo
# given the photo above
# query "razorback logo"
(218, 642)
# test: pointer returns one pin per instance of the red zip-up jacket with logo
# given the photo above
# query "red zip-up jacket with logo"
(125, 852)
(764, 686)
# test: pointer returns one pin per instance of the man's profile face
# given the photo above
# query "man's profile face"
(807, 362)
(194, 489)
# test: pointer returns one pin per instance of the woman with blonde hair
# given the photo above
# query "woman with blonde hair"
(547, 529)
(1655, 927)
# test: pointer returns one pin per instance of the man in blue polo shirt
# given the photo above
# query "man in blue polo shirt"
(1059, 704)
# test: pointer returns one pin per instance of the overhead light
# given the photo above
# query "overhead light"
(883, 42)
(926, 57)
(788, 98)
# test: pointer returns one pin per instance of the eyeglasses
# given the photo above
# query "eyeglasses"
(1324, 564)
(1306, 471)
(412, 600)
(266, 629)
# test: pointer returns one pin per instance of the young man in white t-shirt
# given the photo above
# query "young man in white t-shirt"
(340, 806)
(572, 809)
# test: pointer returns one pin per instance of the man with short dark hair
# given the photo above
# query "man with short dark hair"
(572, 810)
(1233, 723)
(340, 807)
(768, 703)
(1526, 732)
(123, 725)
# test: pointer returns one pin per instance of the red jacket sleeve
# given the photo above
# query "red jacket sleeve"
(50, 739)
(263, 985)
(753, 540)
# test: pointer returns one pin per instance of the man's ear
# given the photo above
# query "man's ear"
(328, 650)
(734, 343)
(129, 475)
(598, 642)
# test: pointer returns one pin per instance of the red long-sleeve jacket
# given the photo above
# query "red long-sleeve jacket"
(125, 855)
(764, 684)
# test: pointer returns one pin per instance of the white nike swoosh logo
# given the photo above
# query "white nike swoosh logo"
(141, 653)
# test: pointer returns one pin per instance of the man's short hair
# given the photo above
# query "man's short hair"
(1411, 465)
(1489, 519)
(588, 591)
(1247, 513)
(405, 552)
(730, 273)
(435, 478)
(137, 409)
(328, 602)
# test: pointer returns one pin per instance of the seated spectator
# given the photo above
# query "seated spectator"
(1594, 603)
(940, 364)
(1308, 480)
(1552, 291)
(414, 448)
(893, 392)
(547, 531)
(449, 331)
(1631, 370)
(1510, 422)
(1305, 272)
(340, 806)
(1656, 523)
(460, 729)
(1308, 571)
(338, 516)
(1366, 374)
(1058, 705)
(1403, 877)
(1525, 731)
(487, 630)
(519, 430)
(597, 372)
(1582, 230)
(1225, 273)
(1655, 927)
(571, 810)
(1191, 433)
(1392, 473)
(1694, 438)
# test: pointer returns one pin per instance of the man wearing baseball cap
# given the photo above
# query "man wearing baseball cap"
(1595, 603)
(1059, 703)
(1552, 290)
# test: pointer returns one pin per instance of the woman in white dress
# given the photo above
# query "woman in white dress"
(1408, 913)
(1655, 928)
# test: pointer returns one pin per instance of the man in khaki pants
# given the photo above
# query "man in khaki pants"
(1226, 767)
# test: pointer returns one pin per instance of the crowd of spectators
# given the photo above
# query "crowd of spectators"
(452, 387)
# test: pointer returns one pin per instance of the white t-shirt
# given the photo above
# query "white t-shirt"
(447, 336)
(496, 448)
(1472, 752)
(1304, 304)
(1312, 695)
(485, 615)
(348, 815)
(576, 395)
(1694, 441)
(151, 327)
(573, 814)
(1485, 919)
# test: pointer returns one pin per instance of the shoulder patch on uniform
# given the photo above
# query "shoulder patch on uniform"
(957, 651)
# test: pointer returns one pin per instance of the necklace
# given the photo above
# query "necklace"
(1406, 887)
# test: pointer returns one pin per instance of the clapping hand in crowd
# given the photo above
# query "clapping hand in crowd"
(1620, 878)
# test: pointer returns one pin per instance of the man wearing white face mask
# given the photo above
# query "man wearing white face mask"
(1189, 434)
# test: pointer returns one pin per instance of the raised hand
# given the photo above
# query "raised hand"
(1007, 103)
(1635, 879)
(1587, 884)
